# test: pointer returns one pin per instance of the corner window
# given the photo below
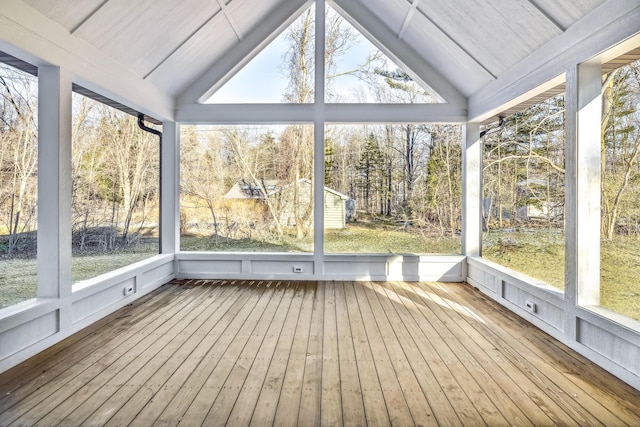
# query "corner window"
(116, 198)
(524, 192)
(18, 185)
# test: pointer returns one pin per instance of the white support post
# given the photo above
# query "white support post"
(54, 183)
(170, 188)
(471, 190)
(571, 202)
(318, 141)
(588, 182)
(583, 105)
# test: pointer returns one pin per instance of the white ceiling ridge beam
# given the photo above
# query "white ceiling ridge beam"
(88, 18)
(609, 24)
(230, 20)
(547, 16)
(305, 113)
(243, 52)
(27, 34)
(454, 41)
(182, 43)
(408, 18)
(384, 39)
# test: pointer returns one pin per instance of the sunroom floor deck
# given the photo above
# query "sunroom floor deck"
(285, 353)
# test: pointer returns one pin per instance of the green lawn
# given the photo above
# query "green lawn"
(18, 276)
(541, 256)
(356, 238)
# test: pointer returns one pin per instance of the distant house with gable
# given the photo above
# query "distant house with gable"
(335, 203)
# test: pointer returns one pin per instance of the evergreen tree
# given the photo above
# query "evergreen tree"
(370, 170)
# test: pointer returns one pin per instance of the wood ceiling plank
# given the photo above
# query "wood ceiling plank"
(68, 13)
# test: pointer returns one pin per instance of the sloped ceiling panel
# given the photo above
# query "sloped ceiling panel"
(391, 12)
(68, 13)
(248, 14)
(495, 33)
(142, 33)
(461, 69)
(195, 56)
(566, 13)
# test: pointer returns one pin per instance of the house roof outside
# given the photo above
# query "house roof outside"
(249, 189)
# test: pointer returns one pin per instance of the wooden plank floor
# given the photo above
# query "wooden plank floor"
(305, 353)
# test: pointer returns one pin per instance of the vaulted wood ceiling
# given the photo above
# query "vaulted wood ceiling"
(456, 47)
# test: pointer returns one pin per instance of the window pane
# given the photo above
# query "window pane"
(620, 243)
(281, 72)
(393, 188)
(115, 167)
(18, 185)
(246, 188)
(358, 72)
(523, 186)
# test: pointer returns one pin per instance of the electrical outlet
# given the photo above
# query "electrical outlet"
(297, 269)
(531, 306)
(128, 290)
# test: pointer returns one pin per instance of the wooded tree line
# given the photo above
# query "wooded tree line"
(114, 170)
(410, 174)
(524, 161)
(18, 160)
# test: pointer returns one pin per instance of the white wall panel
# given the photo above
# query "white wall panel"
(98, 301)
(27, 334)
(623, 352)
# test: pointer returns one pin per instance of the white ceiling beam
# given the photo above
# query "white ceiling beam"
(379, 33)
(395, 113)
(305, 113)
(611, 23)
(408, 18)
(27, 34)
(230, 20)
(544, 13)
(221, 71)
(88, 18)
(229, 114)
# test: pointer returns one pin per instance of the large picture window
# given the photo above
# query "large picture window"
(393, 188)
(246, 188)
(115, 199)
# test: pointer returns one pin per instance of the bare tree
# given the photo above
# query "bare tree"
(18, 153)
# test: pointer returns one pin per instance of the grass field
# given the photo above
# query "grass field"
(356, 238)
(18, 276)
(539, 255)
